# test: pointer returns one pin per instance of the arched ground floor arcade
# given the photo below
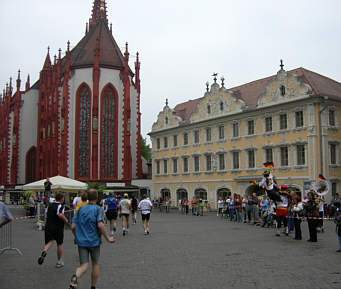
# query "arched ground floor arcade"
(212, 190)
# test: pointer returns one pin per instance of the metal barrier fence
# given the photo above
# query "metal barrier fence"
(6, 239)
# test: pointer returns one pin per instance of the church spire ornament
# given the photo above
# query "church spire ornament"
(99, 12)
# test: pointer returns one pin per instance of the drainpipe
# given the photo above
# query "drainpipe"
(321, 131)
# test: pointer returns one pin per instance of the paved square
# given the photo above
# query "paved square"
(182, 252)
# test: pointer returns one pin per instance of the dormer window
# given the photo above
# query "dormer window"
(208, 109)
(166, 120)
(221, 106)
(282, 88)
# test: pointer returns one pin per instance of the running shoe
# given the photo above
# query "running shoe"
(42, 257)
(74, 282)
(59, 264)
(124, 232)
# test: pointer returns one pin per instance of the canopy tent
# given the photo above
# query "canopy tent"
(59, 183)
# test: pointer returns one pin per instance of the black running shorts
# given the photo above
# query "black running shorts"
(57, 235)
(145, 217)
(111, 215)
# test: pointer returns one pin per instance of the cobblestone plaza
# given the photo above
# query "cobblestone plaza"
(182, 252)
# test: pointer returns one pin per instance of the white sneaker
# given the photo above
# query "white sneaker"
(60, 264)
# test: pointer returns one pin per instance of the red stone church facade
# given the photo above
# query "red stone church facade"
(81, 119)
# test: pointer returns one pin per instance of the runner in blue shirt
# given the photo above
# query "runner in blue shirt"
(110, 207)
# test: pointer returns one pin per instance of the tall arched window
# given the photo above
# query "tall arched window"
(83, 120)
(31, 165)
(108, 133)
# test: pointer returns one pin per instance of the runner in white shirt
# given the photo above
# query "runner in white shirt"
(145, 206)
(124, 207)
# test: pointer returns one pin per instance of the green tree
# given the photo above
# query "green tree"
(145, 149)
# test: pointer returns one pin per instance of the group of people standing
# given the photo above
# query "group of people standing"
(88, 226)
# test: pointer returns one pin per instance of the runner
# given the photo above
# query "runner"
(84, 199)
(111, 212)
(124, 207)
(87, 227)
(146, 207)
(134, 204)
(54, 229)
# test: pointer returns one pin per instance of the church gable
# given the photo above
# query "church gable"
(217, 101)
(166, 119)
(283, 87)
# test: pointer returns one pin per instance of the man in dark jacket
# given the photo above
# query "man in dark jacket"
(311, 209)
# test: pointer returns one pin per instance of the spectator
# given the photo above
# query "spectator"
(311, 208)
(32, 205)
(264, 209)
(84, 201)
(87, 227)
(255, 214)
(297, 214)
(338, 227)
(47, 188)
(220, 205)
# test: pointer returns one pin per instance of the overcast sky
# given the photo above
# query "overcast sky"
(181, 43)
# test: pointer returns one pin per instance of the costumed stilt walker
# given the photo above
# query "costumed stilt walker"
(268, 183)
(280, 197)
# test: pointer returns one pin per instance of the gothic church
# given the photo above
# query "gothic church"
(81, 119)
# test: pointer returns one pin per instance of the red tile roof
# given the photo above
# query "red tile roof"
(250, 92)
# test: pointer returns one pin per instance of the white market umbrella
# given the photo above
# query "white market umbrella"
(59, 183)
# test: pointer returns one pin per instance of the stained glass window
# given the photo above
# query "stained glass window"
(107, 133)
(84, 133)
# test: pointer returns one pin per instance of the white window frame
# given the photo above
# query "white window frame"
(265, 123)
(265, 154)
(233, 124)
(223, 130)
(175, 168)
(196, 131)
(248, 159)
(206, 134)
(280, 156)
(157, 167)
(183, 164)
(209, 168)
(333, 109)
(175, 136)
(183, 139)
(247, 127)
(194, 164)
(279, 121)
(295, 118)
(165, 166)
(336, 144)
(305, 154)
(232, 160)
(221, 154)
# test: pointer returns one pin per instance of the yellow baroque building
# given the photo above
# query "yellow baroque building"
(215, 145)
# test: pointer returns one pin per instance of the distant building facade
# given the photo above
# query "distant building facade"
(215, 145)
(81, 119)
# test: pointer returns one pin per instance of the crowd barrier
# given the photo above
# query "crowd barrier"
(6, 239)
